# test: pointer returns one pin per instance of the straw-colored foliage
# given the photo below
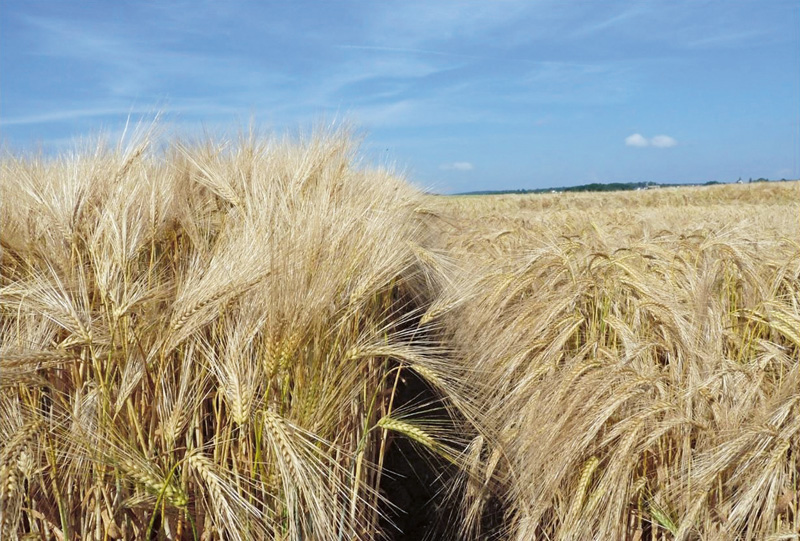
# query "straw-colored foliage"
(212, 341)
(199, 342)
(638, 359)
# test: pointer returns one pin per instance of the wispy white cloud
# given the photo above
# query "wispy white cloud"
(610, 22)
(457, 166)
(636, 140)
(422, 77)
(406, 50)
(659, 141)
(130, 68)
(415, 23)
(68, 114)
(728, 39)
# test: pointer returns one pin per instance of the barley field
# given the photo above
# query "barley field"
(262, 338)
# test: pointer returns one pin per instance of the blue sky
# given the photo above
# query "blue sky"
(459, 96)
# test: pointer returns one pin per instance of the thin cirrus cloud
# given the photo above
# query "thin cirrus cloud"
(659, 141)
(457, 166)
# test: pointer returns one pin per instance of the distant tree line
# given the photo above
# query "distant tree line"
(608, 187)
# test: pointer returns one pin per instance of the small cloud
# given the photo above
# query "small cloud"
(636, 140)
(457, 166)
(659, 141)
(663, 141)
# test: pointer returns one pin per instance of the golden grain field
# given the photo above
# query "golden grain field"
(263, 339)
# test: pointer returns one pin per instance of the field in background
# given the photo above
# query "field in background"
(259, 340)
(637, 355)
